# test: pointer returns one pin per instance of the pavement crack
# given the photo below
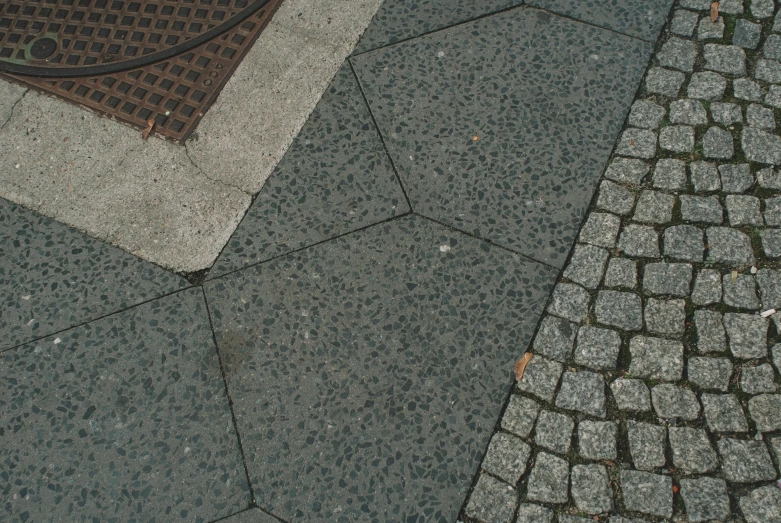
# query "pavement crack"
(216, 180)
(13, 107)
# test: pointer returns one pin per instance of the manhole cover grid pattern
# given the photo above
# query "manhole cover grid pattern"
(175, 92)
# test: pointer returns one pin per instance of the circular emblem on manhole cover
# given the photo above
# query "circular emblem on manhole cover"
(59, 38)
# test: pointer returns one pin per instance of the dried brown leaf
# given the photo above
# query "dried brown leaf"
(520, 365)
(150, 124)
(714, 12)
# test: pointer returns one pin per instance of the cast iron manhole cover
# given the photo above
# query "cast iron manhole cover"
(134, 61)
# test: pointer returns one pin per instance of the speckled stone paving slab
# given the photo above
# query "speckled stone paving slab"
(123, 419)
(502, 126)
(53, 277)
(335, 178)
(250, 516)
(398, 20)
(367, 373)
(636, 18)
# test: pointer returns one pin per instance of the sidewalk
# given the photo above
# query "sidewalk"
(478, 180)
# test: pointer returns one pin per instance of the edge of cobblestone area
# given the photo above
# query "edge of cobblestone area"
(569, 511)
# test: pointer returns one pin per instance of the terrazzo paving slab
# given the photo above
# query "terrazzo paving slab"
(502, 126)
(398, 20)
(123, 419)
(334, 178)
(250, 516)
(636, 18)
(367, 372)
(53, 277)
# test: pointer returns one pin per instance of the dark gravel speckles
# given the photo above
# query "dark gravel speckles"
(124, 419)
(374, 359)
(543, 139)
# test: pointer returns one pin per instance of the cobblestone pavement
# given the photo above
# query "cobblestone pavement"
(653, 392)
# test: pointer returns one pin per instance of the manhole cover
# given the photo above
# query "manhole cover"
(134, 61)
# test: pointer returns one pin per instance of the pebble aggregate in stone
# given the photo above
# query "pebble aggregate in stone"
(756, 380)
(684, 242)
(507, 457)
(747, 335)
(671, 402)
(673, 279)
(619, 309)
(520, 415)
(745, 461)
(591, 489)
(549, 479)
(586, 265)
(704, 176)
(735, 178)
(705, 499)
(597, 348)
(765, 410)
(654, 207)
(632, 395)
(601, 230)
(569, 301)
(664, 81)
(554, 431)
(743, 209)
(647, 493)
(646, 444)
(740, 291)
(692, 451)
(491, 500)
(597, 439)
(711, 336)
(541, 377)
(676, 138)
(641, 241)
(705, 209)
(707, 287)
(621, 272)
(646, 114)
(582, 391)
(709, 373)
(615, 198)
(706, 86)
(729, 246)
(717, 143)
(669, 174)
(723, 413)
(555, 338)
(762, 505)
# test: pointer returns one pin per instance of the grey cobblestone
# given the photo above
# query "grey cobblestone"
(707, 287)
(554, 431)
(668, 174)
(760, 117)
(615, 198)
(676, 138)
(621, 272)
(555, 338)
(586, 265)
(726, 113)
(646, 444)
(541, 377)
(549, 479)
(704, 176)
(641, 241)
(619, 309)
(735, 178)
(760, 146)
(705, 209)
(689, 112)
(759, 379)
(600, 229)
(684, 22)
(762, 505)
(740, 292)
(743, 209)
(745, 461)
(707, 30)
(711, 336)
(692, 451)
(582, 391)
(507, 457)
(645, 114)
(762, 8)
(492, 501)
(654, 207)
(684, 242)
(662, 278)
(769, 178)
(520, 415)
(772, 47)
(723, 413)
(597, 348)
(709, 373)
(632, 395)
(773, 96)
(664, 81)
(637, 143)
(733, 7)
(746, 89)
(769, 282)
(771, 242)
(773, 211)
(597, 439)
(647, 493)
(656, 358)
(768, 71)
(729, 246)
(591, 489)
(706, 86)
(677, 53)
(747, 335)
(728, 59)
(671, 402)
(717, 143)
(665, 317)
(746, 34)
(570, 301)
(705, 499)
(531, 513)
(765, 411)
